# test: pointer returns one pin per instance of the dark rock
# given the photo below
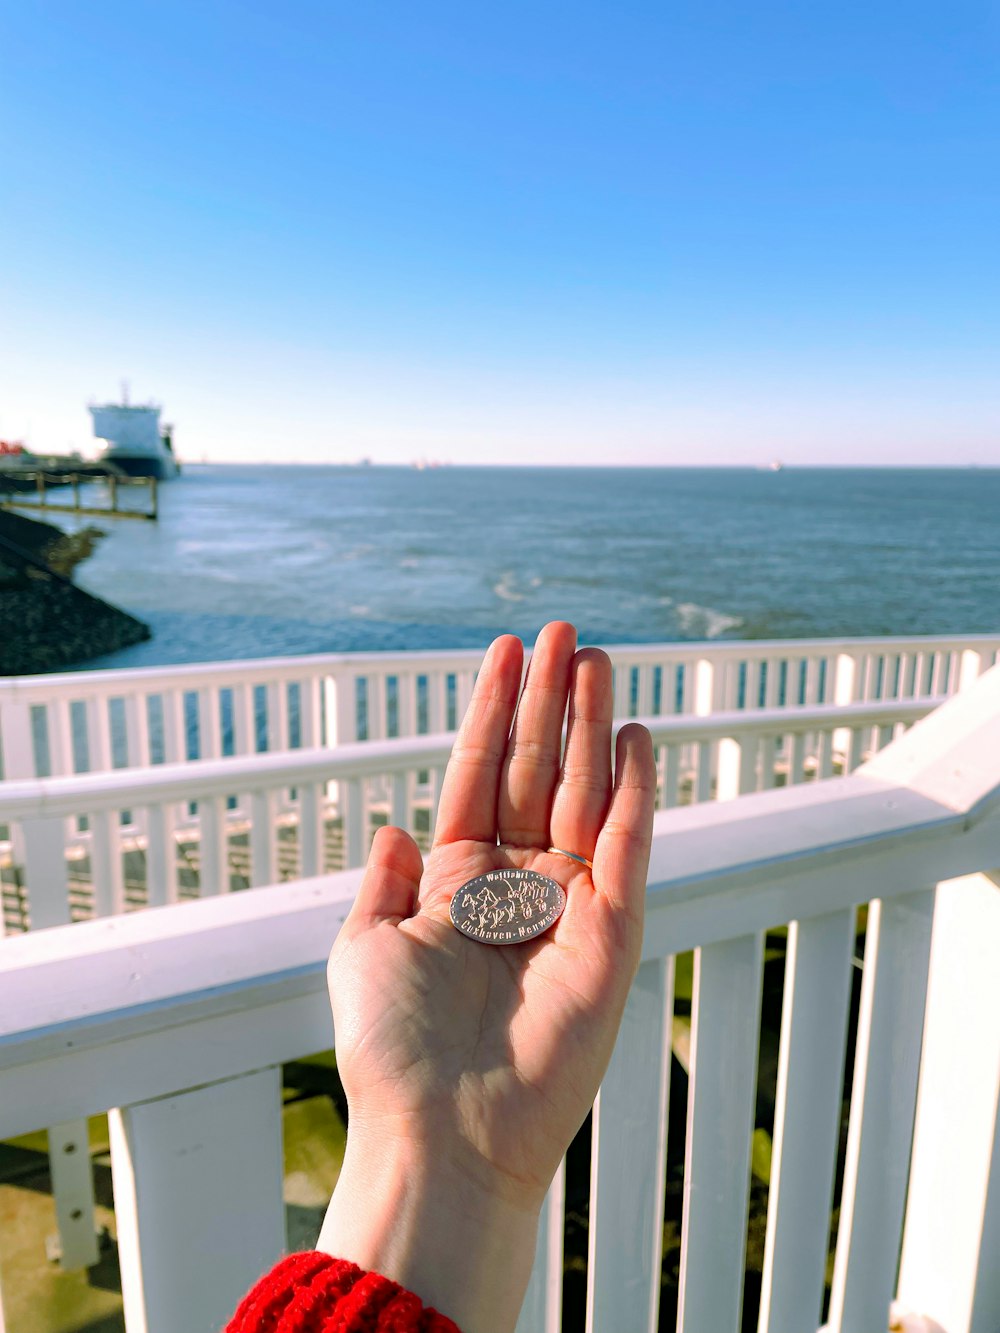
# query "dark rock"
(46, 622)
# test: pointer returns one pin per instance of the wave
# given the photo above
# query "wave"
(703, 622)
(507, 589)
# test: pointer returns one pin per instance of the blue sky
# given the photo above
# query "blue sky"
(636, 233)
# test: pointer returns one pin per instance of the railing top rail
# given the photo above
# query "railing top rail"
(112, 788)
(150, 679)
(94, 975)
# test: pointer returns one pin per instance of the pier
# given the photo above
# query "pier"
(29, 489)
(834, 801)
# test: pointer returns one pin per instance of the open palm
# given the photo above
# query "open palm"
(490, 1056)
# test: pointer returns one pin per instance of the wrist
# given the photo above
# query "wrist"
(461, 1246)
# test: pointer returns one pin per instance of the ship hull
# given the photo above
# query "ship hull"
(137, 465)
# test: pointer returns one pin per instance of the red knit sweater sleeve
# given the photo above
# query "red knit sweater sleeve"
(314, 1293)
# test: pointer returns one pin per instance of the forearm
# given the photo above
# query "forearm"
(460, 1248)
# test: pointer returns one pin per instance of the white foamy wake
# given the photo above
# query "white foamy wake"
(506, 587)
(702, 621)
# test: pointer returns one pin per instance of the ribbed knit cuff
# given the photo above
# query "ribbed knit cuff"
(315, 1293)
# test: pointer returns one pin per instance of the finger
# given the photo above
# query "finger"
(621, 858)
(389, 889)
(468, 806)
(584, 787)
(532, 765)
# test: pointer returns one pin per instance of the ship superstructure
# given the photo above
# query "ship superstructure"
(135, 441)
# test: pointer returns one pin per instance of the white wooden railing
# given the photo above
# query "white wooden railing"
(98, 843)
(176, 1021)
(96, 720)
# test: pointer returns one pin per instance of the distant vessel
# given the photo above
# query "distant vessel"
(775, 465)
(134, 439)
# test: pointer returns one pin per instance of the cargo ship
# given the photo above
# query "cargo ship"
(135, 442)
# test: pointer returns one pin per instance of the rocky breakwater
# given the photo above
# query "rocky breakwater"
(46, 621)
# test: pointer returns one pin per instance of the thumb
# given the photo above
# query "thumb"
(389, 889)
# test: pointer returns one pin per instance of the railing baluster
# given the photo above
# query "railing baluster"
(949, 1267)
(98, 735)
(437, 783)
(352, 812)
(277, 715)
(887, 1058)
(263, 838)
(107, 873)
(186, 1157)
(628, 1163)
(542, 1308)
(213, 847)
(174, 726)
(399, 812)
(703, 786)
(311, 831)
(310, 712)
(72, 1178)
(814, 1014)
(45, 872)
(161, 857)
(797, 758)
(672, 776)
(137, 730)
(725, 1022)
(210, 724)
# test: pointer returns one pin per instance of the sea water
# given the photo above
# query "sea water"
(250, 561)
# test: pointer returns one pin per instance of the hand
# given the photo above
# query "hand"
(469, 1067)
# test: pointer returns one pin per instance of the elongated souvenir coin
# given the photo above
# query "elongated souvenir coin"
(507, 906)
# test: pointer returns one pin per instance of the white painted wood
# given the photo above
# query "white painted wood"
(812, 681)
(671, 776)
(213, 1155)
(213, 847)
(703, 786)
(950, 1267)
(311, 832)
(209, 724)
(542, 1308)
(98, 735)
(263, 839)
(797, 762)
(352, 811)
(60, 735)
(887, 1057)
(725, 1021)
(817, 995)
(161, 857)
(628, 1163)
(174, 738)
(18, 751)
(106, 868)
(706, 687)
(73, 1194)
(310, 712)
(136, 730)
(406, 704)
(45, 872)
(278, 737)
(437, 786)
(768, 760)
(399, 810)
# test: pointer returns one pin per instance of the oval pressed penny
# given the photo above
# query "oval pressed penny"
(507, 906)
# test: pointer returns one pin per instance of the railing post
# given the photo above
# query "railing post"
(886, 1063)
(72, 1180)
(211, 1154)
(950, 1267)
(971, 665)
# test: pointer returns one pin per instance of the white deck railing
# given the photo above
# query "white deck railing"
(176, 1022)
(295, 760)
(96, 720)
